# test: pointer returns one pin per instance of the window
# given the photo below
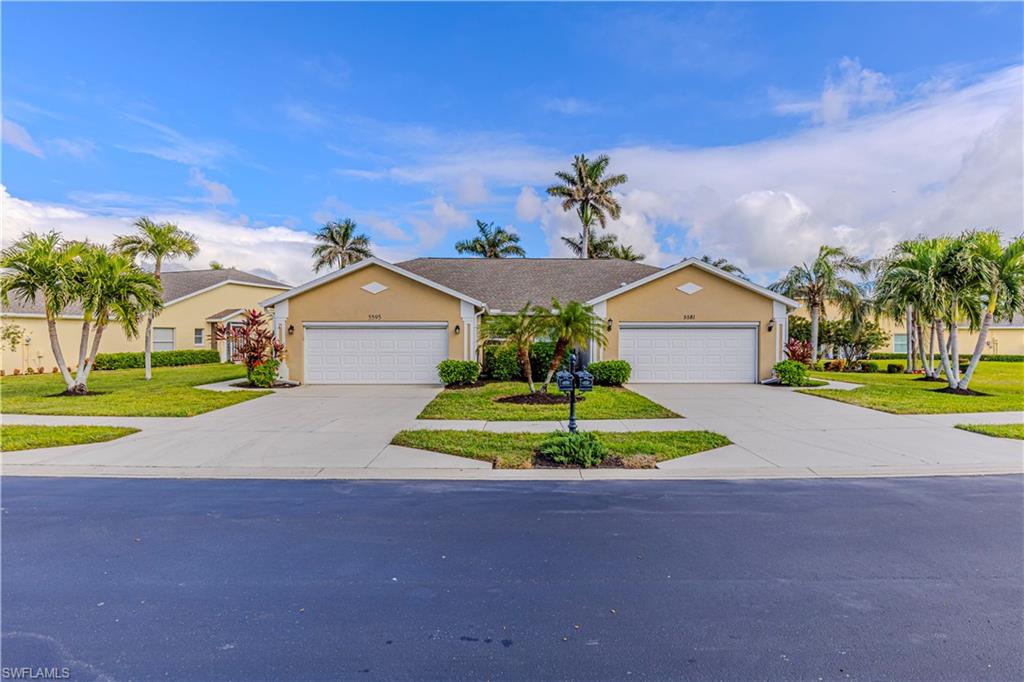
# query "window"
(198, 336)
(163, 338)
(899, 343)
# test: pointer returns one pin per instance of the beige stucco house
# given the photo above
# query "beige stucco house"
(378, 322)
(194, 301)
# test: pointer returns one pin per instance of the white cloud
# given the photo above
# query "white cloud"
(472, 190)
(78, 148)
(854, 89)
(19, 138)
(171, 145)
(528, 204)
(570, 106)
(388, 228)
(217, 193)
(446, 214)
(304, 115)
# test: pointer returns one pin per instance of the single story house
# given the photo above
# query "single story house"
(379, 322)
(194, 301)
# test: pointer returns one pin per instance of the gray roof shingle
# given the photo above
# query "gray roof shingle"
(507, 284)
(176, 284)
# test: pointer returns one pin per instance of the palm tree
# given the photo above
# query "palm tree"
(42, 267)
(1000, 273)
(113, 289)
(339, 245)
(156, 241)
(572, 325)
(517, 331)
(597, 246)
(625, 252)
(492, 242)
(724, 265)
(822, 282)
(586, 189)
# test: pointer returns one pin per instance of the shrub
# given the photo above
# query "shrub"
(56, 370)
(640, 462)
(868, 367)
(17, 371)
(610, 372)
(963, 358)
(253, 341)
(501, 363)
(541, 354)
(835, 365)
(893, 368)
(800, 351)
(161, 358)
(264, 374)
(458, 372)
(581, 449)
(791, 372)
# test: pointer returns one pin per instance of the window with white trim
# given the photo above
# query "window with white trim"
(899, 343)
(198, 336)
(163, 338)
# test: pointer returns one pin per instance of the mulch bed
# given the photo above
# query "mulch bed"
(475, 384)
(611, 462)
(538, 399)
(932, 379)
(959, 391)
(277, 384)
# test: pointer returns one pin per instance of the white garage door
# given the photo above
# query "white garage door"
(690, 354)
(374, 354)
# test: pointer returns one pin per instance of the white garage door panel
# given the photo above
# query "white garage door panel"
(374, 355)
(690, 354)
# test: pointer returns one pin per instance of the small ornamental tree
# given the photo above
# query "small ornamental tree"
(254, 344)
(799, 351)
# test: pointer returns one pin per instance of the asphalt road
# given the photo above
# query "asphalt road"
(876, 579)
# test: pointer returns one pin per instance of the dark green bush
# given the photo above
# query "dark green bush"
(161, 358)
(963, 358)
(610, 372)
(868, 367)
(581, 449)
(791, 372)
(501, 363)
(458, 372)
(892, 368)
(264, 374)
(541, 354)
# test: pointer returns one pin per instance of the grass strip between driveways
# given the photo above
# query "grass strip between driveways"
(31, 436)
(1002, 384)
(1015, 431)
(126, 393)
(515, 450)
(604, 402)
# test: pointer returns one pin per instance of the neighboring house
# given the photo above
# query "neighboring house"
(378, 322)
(194, 300)
(1005, 337)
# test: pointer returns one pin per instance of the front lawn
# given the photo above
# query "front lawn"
(604, 402)
(1015, 431)
(126, 393)
(29, 437)
(515, 450)
(1001, 382)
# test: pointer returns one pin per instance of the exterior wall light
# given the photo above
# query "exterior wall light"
(291, 329)
(609, 324)
(771, 325)
(458, 330)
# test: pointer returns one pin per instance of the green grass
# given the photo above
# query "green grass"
(515, 450)
(1002, 382)
(604, 402)
(29, 437)
(125, 393)
(1015, 431)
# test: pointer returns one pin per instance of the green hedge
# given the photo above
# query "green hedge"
(161, 358)
(610, 372)
(963, 357)
(502, 364)
(453, 372)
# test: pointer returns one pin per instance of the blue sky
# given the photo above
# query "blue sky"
(754, 132)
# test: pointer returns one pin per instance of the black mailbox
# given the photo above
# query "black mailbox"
(564, 380)
(586, 380)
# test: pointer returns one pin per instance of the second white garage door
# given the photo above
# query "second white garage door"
(374, 354)
(690, 354)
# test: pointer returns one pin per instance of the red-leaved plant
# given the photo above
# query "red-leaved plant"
(253, 342)
(799, 351)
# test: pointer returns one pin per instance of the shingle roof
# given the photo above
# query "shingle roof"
(176, 284)
(507, 284)
(221, 314)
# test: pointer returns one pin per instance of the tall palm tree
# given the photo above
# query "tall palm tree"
(1000, 271)
(587, 189)
(724, 265)
(625, 252)
(113, 289)
(156, 241)
(492, 242)
(572, 325)
(339, 246)
(821, 282)
(517, 331)
(597, 246)
(41, 267)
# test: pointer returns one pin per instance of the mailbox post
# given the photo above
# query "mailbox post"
(569, 381)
